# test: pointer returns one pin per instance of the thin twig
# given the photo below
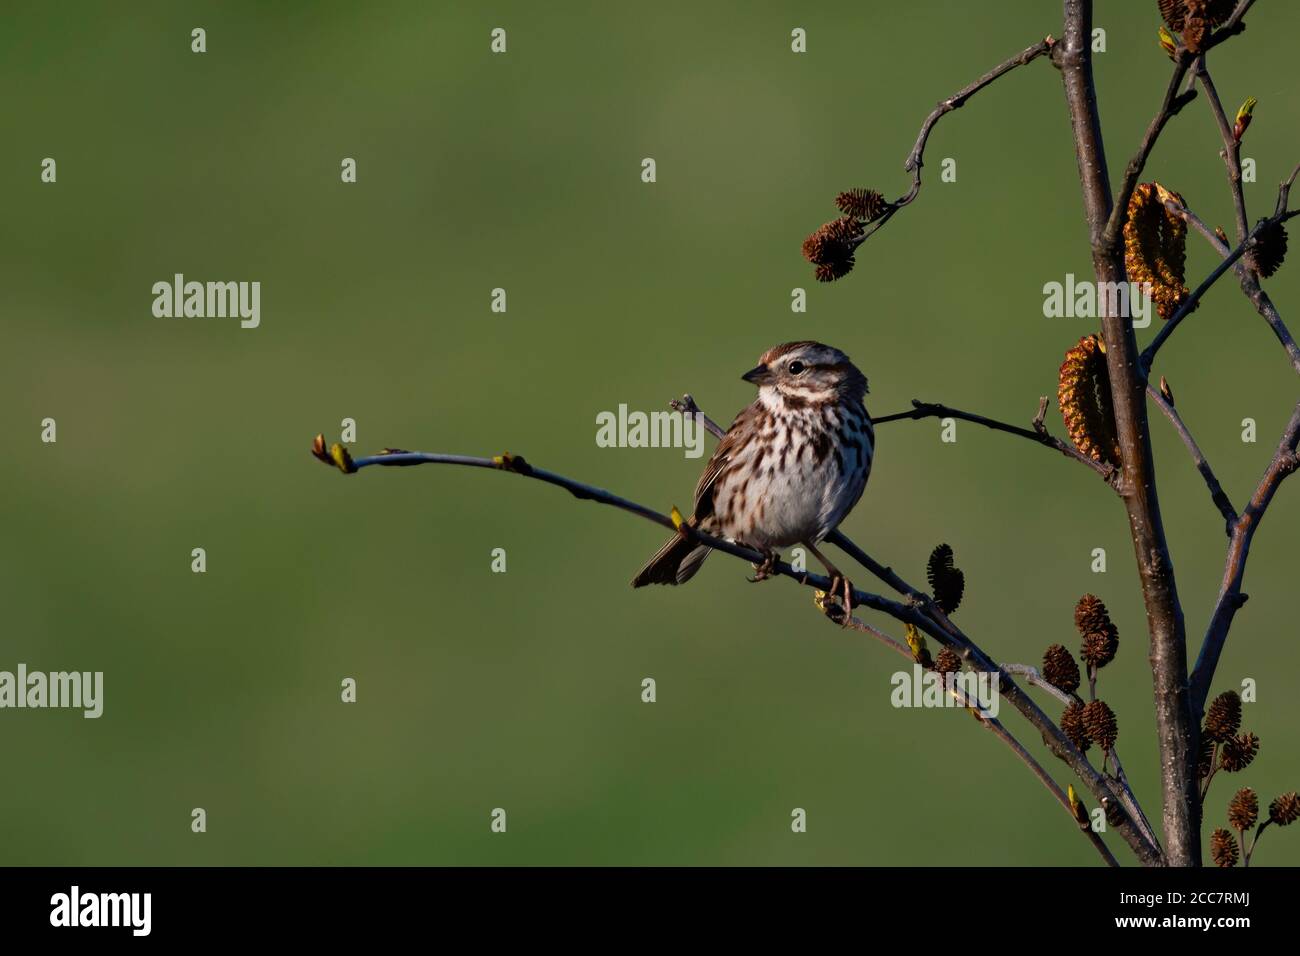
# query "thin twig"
(1217, 494)
(1126, 795)
(915, 159)
(1249, 283)
(1231, 598)
(909, 613)
(1037, 433)
(1171, 106)
(999, 730)
(1231, 151)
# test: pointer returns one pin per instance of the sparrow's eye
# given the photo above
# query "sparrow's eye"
(796, 368)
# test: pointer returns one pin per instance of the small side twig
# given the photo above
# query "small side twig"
(1217, 494)
(915, 159)
(1033, 676)
(1036, 433)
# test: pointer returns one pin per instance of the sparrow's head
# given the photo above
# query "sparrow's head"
(808, 372)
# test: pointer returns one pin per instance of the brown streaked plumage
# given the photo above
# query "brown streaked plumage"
(789, 469)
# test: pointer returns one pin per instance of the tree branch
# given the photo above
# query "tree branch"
(1032, 676)
(1231, 598)
(1038, 433)
(999, 730)
(1217, 494)
(923, 616)
(915, 159)
(1176, 730)
(1249, 282)
(1170, 107)
(1231, 151)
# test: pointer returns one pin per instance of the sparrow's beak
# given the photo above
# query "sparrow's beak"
(758, 375)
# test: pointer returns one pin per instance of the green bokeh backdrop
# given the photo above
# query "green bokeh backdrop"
(481, 690)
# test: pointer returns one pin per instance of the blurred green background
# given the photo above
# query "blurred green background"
(522, 690)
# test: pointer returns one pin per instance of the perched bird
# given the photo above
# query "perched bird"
(789, 469)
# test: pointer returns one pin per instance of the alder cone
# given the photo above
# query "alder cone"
(1083, 394)
(1100, 636)
(1100, 724)
(1270, 252)
(1072, 726)
(947, 582)
(1060, 669)
(947, 661)
(1238, 752)
(1243, 809)
(1223, 716)
(1223, 848)
(1155, 246)
(1285, 810)
(862, 204)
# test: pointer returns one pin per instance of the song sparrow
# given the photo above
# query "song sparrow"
(789, 469)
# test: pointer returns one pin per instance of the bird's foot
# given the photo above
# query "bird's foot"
(767, 569)
(842, 589)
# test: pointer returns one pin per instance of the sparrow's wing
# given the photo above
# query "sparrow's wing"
(731, 443)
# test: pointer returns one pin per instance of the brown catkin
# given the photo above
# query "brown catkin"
(830, 271)
(947, 582)
(1083, 394)
(861, 203)
(1072, 726)
(1238, 752)
(947, 661)
(1223, 848)
(1243, 809)
(1270, 251)
(1099, 647)
(1155, 246)
(1100, 724)
(1285, 810)
(1060, 669)
(1223, 716)
(1090, 614)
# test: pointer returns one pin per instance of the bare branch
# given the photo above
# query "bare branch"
(1231, 598)
(1175, 728)
(1217, 494)
(930, 621)
(1231, 151)
(999, 730)
(1033, 677)
(686, 405)
(1249, 281)
(1038, 433)
(915, 159)
(1170, 107)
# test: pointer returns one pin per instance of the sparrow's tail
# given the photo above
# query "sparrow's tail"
(675, 563)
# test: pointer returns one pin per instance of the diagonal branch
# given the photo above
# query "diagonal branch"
(915, 159)
(1217, 494)
(1038, 433)
(999, 730)
(1231, 598)
(1249, 282)
(1032, 676)
(1231, 151)
(1170, 107)
(922, 616)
